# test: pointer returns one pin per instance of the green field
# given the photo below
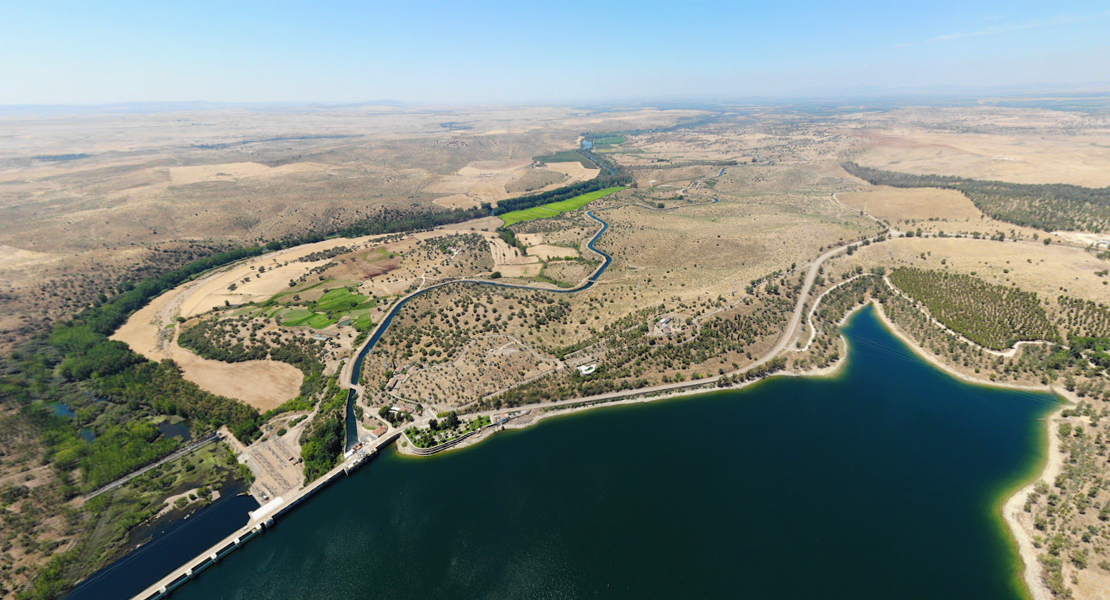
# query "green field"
(339, 299)
(364, 322)
(609, 143)
(555, 208)
(528, 214)
(565, 156)
(330, 308)
(301, 316)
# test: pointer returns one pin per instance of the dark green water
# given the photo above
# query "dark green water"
(883, 482)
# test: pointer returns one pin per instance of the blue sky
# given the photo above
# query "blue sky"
(455, 52)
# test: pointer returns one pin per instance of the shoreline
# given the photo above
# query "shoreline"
(529, 419)
(1009, 507)
(1012, 509)
(1023, 541)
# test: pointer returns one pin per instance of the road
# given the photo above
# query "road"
(350, 380)
(178, 454)
(259, 517)
(785, 340)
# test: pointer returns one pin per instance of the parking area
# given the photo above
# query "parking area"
(276, 468)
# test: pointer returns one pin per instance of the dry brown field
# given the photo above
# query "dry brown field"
(935, 211)
(1050, 271)
(1006, 144)
(913, 204)
(1079, 160)
(86, 209)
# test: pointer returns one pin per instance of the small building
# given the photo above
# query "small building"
(587, 369)
(407, 407)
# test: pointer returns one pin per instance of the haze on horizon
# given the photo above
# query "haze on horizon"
(453, 52)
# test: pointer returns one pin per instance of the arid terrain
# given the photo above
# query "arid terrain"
(736, 241)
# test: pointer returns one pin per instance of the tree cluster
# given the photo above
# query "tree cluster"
(993, 316)
(1049, 207)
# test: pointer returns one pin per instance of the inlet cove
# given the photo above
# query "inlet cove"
(885, 480)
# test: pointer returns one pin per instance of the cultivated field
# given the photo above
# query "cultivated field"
(554, 208)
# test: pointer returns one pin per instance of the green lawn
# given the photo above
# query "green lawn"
(339, 299)
(330, 308)
(550, 210)
(302, 316)
(565, 156)
(364, 323)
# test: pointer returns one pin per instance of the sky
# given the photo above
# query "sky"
(95, 52)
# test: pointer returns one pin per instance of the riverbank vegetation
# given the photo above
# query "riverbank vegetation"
(324, 437)
(79, 541)
(92, 403)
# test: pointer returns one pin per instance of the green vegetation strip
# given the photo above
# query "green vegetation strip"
(324, 436)
(555, 208)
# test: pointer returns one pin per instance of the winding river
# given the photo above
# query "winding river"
(356, 370)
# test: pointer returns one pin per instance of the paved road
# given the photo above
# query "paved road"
(256, 521)
(786, 339)
(178, 454)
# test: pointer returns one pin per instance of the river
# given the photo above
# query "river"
(882, 482)
(351, 424)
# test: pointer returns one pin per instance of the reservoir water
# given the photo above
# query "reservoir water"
(170, 546)
(884, 481)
